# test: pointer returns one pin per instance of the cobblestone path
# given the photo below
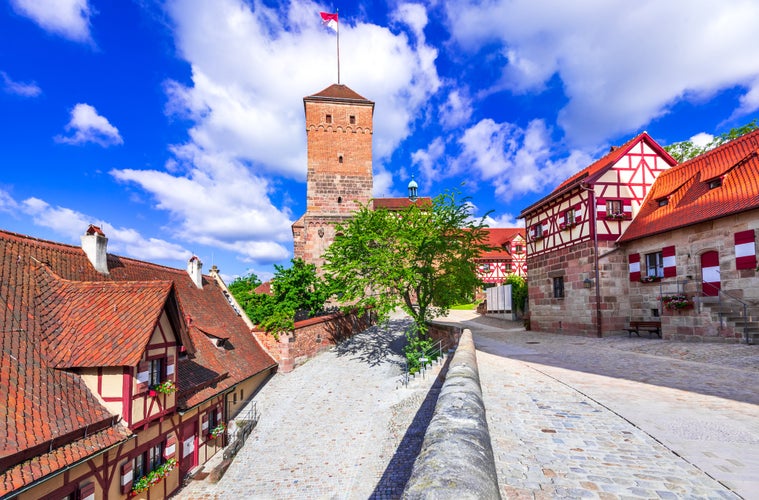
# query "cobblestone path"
(574, 417)
(340, 426)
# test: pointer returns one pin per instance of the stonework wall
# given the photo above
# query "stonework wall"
(699, 323)
(315, 335)
(339, 141)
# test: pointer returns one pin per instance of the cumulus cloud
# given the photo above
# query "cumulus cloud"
(71, 224)
(86, 125)
(245, 104)
(430, 161)
(10, 86)
(616, 80)
(457, 109)
(516, 160)
(504, 220)
(67, 18)
(217, 201)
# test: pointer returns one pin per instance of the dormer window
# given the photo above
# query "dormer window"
(715, 183)
(663, 202)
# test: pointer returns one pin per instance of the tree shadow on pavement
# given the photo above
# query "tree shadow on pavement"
(398, 471)
(378, 344)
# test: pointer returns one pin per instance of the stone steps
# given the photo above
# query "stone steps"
(732, 314)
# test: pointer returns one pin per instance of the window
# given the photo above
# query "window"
(139, 466)
(558, 287)
(663, 202)
(339, 158)
(234, 398)
(569, 217)
(352, 119)
(156, 372)
(155, 456)
(613, 207)
(518, 249)
(212, 420)
(654, 265)
(715, 183)
(328, 119)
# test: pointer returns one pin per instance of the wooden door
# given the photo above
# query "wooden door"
(188, 447)
(710, 276)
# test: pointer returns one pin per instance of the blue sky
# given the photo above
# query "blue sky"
(178, 126)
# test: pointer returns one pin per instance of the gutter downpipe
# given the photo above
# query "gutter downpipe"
(594, 229)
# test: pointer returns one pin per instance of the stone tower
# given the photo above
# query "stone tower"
(339, 141)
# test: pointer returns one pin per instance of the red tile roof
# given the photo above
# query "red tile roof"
(339, 92)
(689, 198)
(50, 288)
(401, 203)
(500, 239)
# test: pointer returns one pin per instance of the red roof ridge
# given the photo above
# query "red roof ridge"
(339, 92)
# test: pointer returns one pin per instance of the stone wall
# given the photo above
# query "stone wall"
(312, 336)
(699, 323)
(448, 334)
(456, 460)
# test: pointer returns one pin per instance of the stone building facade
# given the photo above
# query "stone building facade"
(339, 127)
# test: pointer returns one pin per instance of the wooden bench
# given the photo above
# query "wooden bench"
(651, 326)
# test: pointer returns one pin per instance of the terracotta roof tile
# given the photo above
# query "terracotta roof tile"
(340, 92)
(689, 199)
(500, 239)
(49, 295)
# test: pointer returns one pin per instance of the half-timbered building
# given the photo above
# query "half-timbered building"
(507, 256)
(574, 264)
(118, 375)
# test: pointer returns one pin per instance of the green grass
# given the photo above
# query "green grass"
(465, 307)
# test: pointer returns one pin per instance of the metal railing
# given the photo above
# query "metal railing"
(245, 422)
(434, 353)
(743, 305)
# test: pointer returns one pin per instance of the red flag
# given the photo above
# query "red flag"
(329, 20)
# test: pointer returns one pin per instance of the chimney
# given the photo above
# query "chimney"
(94, 244)
(194, 269)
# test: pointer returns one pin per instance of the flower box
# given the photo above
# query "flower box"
(217, 431)
(650, 279)
(564, 226)
(676, 302)
(152, 393)
(166, 387)
(153, 477)
(618, 216)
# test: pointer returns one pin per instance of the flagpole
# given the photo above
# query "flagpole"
(337, 11)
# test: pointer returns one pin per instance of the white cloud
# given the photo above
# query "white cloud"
(702, 139)
(72, 224)
(86, 125)
(516, 160)
(20, 88)
(504, 220)
(7, 203)
(68, 18)
(245, 101)
(456, 110)
(620, 65)
(216, 201)
(430, 162)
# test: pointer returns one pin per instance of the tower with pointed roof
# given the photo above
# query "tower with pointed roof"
(339, 139)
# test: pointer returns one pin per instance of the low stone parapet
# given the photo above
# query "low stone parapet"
(456, 460)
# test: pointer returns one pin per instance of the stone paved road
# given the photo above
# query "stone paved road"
(341, 426)
(570, 417)
(574, 417)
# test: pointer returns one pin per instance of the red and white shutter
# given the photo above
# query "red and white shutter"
(218, 415)
(627, 209)
(634, 264)
(745, 250)
(578, 213)
(544, 225)
(600, 208)
(204, 424)
(170, 368)
(126, 477)
(87, 492)
(669, 261)
(143, 376)
(710, 276)
(170, 448)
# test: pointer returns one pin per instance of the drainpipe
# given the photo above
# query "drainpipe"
(594, 230)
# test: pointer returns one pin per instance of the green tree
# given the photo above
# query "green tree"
(685, 150)
(297, 288)
(518, 291)
(420, 259)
